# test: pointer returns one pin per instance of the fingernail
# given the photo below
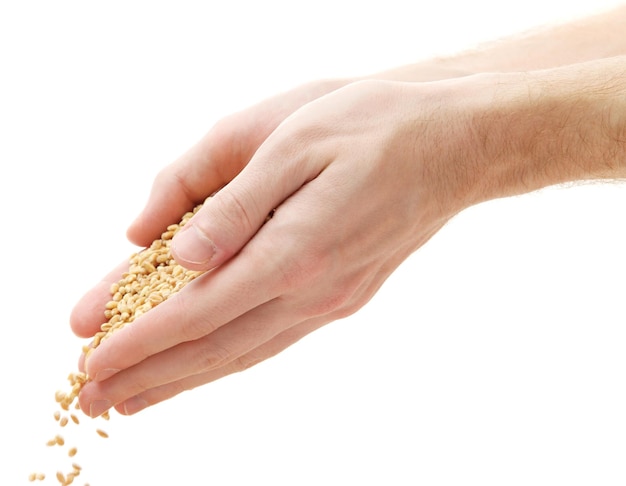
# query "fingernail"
(134, 405)
(193, 246)
(104, 374)
(98, 407)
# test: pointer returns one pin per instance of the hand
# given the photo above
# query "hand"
(217, 158)
(356, 180)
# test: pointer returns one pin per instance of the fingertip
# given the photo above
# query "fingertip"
(148, 225)
(88, 314)
(82, 359)
(92, 401)
(132, 405)
(194, 249)
(175, 191)
(220, 228)
(95, 369)
(136, 233)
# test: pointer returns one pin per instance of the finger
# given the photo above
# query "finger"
(271, 348)
(217, 158)
(202, 170)
(190, 358)
(204, 305)
(231, 217)
(88, 314)
(235, 346)
(284, 255)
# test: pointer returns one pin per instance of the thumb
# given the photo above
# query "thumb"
(224, 224)
(231, 217)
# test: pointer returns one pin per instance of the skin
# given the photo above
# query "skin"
(361, 172)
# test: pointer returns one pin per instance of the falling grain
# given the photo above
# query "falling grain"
(152, 277)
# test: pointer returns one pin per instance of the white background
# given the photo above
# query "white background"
(493, 356)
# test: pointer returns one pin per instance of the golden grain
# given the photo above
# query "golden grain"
(112, 304)
(152, 277)
(57, 440)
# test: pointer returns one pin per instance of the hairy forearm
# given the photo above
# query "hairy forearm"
(594, 37)
(530, 130)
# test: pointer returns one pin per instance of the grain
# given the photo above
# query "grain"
(57, 440)
(152, 277)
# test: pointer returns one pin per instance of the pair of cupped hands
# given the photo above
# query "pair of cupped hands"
(360, 174)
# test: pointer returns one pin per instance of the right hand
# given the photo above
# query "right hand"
(359, 182)
(217, 158)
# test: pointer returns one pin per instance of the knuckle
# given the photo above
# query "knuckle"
(211, 355)
(334, 302)
(362, 293)
(226, 141)
(340, 298)
(223, 130)
(234, 210)
(185, 313)
(179, 176)
(246, 361)
(302, 266)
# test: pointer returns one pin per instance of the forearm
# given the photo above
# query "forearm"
(597, 36)
(526, 131)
